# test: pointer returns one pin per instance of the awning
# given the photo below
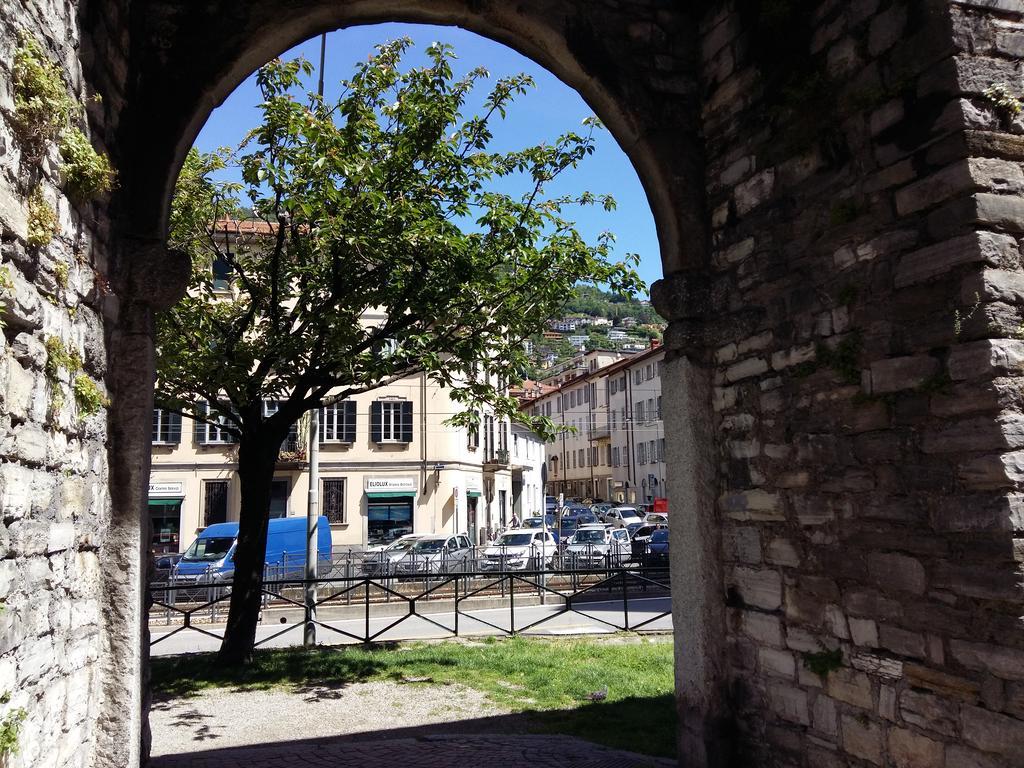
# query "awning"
(390, 494)
(166, 502)
(473, 494)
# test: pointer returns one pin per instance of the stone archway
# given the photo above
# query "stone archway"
(838, 202)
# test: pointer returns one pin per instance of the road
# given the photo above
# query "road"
(588, 618)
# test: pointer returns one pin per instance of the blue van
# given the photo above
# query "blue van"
(210, 558)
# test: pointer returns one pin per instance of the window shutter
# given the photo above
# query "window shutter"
(173, 427)
(349, 435)
(375, 421)
(407, 421)
(199, 427)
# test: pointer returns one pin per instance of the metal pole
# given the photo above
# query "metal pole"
(323, 49)
(312, 518)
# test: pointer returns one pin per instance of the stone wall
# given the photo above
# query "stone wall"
(54, 503)
(839, 208)
(861, 322)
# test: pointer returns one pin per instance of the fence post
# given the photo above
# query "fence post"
(625, 599)
(511, 605)
(456, 605)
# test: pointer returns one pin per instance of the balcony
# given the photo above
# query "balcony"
(291, 454)
(498, 461)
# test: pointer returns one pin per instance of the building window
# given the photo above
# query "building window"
(611, 424)
(279, 498)
(650, 408)
(291, 443)
(609, 455)
(661, 449)
(391, 421)
(641, 453)
(211, 433)
(572, 399)
(215, 501)
(572, 454)
(614, 386)
(651, 451)
(639, 412)
(637, 376)
(583, 457)
(338, 422)
(333, 496)
(659, 407)
(649, 372)
(221, 273)
(166, 427)
(615, 456)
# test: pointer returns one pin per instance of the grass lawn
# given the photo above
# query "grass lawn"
(548, 679)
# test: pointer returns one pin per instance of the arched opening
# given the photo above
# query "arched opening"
(668, 227)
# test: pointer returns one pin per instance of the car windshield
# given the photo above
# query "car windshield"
(628, 513)
(428, 545)
(590, 537)
(533, 522)
(568, 523)
(515, 540)
(208, 550)
(400, 546)
(659, 536)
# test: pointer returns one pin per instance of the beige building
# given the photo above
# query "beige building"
(388, 466)
(636, 427)
(579, 459)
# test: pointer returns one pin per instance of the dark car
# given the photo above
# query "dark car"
(167, 560)
(657, 547)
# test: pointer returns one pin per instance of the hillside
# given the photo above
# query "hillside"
(594, 319)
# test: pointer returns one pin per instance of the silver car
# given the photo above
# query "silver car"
(380, 561)
(434, 554)
(620, 517)
(598, 546)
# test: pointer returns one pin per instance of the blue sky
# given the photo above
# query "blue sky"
(548, 110)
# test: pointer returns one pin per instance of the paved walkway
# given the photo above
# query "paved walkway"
(427, 751)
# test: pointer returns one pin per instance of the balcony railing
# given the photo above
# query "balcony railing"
(291, 452)
(498, 460)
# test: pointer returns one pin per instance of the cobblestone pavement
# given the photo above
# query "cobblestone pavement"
(430, 751)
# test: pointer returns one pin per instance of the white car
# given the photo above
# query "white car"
(620, 517)
(434, 554)
(520, 549)
(598, 546)
(379, 561)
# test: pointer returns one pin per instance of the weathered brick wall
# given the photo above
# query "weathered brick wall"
(54, 504)
(863, 317)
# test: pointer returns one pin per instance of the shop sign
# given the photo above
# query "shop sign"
(156, 490)
(389, 484)
(472, 484)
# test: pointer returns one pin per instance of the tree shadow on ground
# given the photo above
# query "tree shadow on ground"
(645, 726)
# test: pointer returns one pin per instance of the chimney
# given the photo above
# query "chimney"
(655, 343)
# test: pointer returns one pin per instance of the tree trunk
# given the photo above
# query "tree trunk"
(257, 456)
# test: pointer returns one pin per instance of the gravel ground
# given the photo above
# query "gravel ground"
(210, 720)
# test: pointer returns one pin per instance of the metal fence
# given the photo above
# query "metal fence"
(455, 596)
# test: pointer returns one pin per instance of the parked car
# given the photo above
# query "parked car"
(586, 518)
(166, 561)
(657, 547)
(538, 522)
(380, 561)
(521, 549)
(600, 508)
(643, 531)
(597, 546)
(620, 517)
(434, 554)
(210, 558)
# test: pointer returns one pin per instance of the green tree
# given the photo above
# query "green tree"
(385, 199)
